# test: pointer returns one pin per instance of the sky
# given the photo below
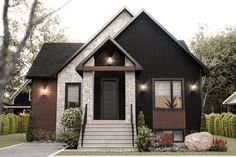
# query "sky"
(83, 18)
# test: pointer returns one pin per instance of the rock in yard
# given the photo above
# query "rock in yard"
(201, 141)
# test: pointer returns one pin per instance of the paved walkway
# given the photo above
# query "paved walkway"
(31, 150)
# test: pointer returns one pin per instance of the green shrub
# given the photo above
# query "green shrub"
(207, 122)
(23, 122)
(4, 124)
(221, 127)
(203, 123)
(16, 117)
(30, 133)
(233, 126)
(141, 121)
(71, 123)
(226, 124)
(211, 128)
(12, 123)
(146, 141)
(217, 124)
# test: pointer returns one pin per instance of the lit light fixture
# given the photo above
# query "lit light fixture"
(193, 88)
(109, 60)
(44, 91)
(143, 88)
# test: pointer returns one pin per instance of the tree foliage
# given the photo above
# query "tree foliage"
(218, 53)
(45, 27)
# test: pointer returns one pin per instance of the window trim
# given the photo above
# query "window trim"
(171, 80)
(66, 92)
(174, 129)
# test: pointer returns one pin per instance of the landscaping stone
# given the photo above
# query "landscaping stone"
(201, 141)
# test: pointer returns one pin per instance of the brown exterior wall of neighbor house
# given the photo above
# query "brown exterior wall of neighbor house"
(44, 106)
(168, 119)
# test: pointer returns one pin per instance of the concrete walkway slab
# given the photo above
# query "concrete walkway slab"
(31, 150)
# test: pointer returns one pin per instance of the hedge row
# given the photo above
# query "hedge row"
(12, 123)
(223, 124)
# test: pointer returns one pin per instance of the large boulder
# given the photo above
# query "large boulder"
(201, 141)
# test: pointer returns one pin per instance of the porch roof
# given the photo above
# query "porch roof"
(80, 68)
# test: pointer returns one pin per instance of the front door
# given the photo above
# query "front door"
(109, 99)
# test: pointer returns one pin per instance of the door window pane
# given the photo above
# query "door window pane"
(162, 94)
(72, 95)
(177, 94)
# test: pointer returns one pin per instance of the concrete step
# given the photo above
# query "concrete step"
(112, 129)
(108, 125)
(107, 141)
(104, 133)
(109, 122)
(109, 137)
(107, 149)
(113, 145)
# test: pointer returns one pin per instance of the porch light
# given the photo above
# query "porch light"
(109, 60)
(193, 88)
(44, 91)
(143, 87)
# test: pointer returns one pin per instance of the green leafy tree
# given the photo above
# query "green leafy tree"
(141, 121)
(218, 53)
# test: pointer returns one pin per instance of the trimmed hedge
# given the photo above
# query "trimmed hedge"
(223, 124)
(23, 122)
(12, 123)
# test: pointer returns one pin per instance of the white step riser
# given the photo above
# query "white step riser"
(113, 145)
(124, 137)
(108, 129)
(98, 133)
(108, 126)
(107, 149)
(107, 141)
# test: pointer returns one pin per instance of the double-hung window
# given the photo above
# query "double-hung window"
(72, 95)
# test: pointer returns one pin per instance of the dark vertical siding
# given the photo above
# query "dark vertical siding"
(161, 57)
(44, 106)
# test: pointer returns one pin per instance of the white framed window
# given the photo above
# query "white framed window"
(72, 95)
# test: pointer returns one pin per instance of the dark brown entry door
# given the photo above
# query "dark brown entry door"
(110, 99)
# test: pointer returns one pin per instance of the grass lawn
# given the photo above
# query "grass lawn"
(12, 139)
(231, 151)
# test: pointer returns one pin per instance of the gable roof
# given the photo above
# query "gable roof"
(137, 66)
(231, 100)
(51, 58)
(18, 91)
(93, 37)
(182, 44)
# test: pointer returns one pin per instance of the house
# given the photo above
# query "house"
(20, 100)
(230, 103)
(132, 64)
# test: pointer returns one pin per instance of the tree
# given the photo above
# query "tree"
(218, 53)
(10, 57)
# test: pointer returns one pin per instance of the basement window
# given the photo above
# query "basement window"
(177, 134)
(72, 95)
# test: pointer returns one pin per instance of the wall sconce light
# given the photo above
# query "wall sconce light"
(193, 88)
(44, 91)
(143, 88)
(109, 60)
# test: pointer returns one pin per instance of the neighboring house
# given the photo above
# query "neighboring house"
(132, 61)
(230, 103)
(20, 100)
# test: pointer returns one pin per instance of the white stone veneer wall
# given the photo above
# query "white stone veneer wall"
(69, 74)
(129, 92)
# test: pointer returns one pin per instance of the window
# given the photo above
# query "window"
(72, 95)
(178, 134)
(168, 94)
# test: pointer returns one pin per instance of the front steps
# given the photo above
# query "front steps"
(108, 136)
